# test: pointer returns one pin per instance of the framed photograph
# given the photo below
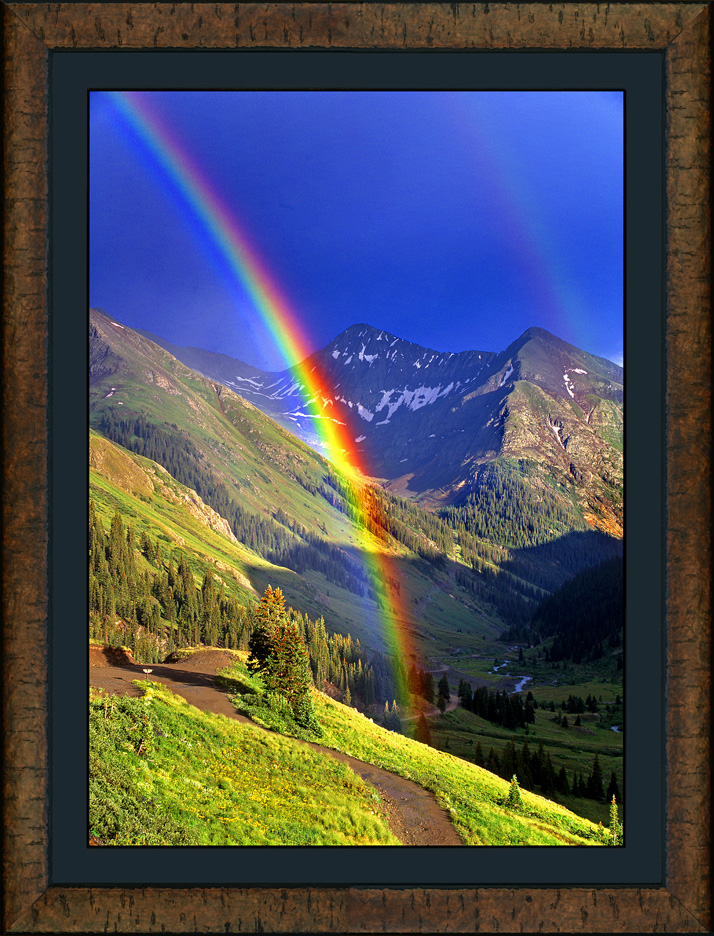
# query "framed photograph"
(132, 75)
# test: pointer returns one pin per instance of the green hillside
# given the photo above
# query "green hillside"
(211, 492)
(280, 499)
(242, 785)
(163, 773)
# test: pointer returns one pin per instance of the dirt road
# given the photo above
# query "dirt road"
(413, 813)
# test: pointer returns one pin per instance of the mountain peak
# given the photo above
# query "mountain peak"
(364, 332)
(536, 332)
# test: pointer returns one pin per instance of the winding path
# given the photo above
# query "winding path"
(412, 812)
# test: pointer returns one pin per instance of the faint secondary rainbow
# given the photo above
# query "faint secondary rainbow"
(524, 221)
(219, 223)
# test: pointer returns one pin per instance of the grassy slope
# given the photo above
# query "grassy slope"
(261, 463)
(473, 796)
(261, 460)
(573, 748)
(154, 502)
(207, 780)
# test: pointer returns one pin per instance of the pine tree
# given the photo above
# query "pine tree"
(392, 720)
(269, 613)
(514, 800)
(421, 731)
(492, 762)
(594, 785)
(562, 782)
(444, 691)
(278, 652)
(612, 789)
(615, 824)
(287, 669)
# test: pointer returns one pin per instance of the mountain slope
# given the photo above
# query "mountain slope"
(279, 498)
(474, 567)
(424, 421)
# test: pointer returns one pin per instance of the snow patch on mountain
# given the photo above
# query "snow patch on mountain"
(566, 378)
(335, 354)
(556, 431)
(412, 399)
(366, 357)
(250, 380)
(506, 375)
(364, 413)
(360, 438)
(297, 415)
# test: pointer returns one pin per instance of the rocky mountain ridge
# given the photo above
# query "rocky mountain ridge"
(423, 421)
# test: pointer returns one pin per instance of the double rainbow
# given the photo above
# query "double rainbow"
(217, 220)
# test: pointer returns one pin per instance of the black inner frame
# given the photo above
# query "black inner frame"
(641, 76)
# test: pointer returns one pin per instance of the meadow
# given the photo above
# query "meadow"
(164, 773)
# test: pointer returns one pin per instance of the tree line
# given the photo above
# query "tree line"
(154, 601)
(536, 772)
(283, 543)
(585, 617)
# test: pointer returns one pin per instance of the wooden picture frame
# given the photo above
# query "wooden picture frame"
(682, 32)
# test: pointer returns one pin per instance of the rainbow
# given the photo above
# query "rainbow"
(523, 221)
(218, 221)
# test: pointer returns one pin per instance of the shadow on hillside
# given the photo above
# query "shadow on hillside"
(562, 558)
(544, 568)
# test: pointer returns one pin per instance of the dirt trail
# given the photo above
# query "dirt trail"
(413, 813)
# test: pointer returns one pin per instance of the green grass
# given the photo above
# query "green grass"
(473, 797)
(164, 773)
(203, 779)
(460, 731)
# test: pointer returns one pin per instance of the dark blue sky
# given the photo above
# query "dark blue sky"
(452, 219)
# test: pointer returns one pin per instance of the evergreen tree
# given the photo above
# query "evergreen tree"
(594, 785)
(269, 613)
(427, 691)
(615, 824)
(562, 782)
(514, 801)
(492, 762)
(444, 691)
(549, 780)
(465, 694)
(278, 652)
(612, 789)
(421, 731)
(478, 755)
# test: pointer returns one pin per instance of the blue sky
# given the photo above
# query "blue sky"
(452, 219)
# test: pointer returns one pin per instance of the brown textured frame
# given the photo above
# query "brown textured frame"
(683, 32)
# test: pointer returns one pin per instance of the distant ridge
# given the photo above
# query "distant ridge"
(425, 420)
